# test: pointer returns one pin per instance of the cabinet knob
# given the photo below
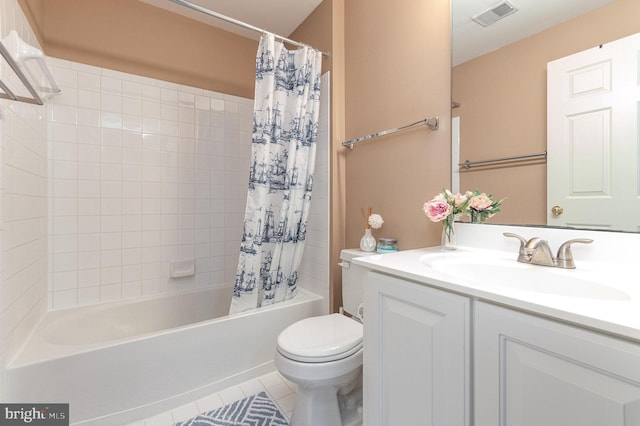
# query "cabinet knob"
(557, 210)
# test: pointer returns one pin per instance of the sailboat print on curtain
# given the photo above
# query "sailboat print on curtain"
(285, 129)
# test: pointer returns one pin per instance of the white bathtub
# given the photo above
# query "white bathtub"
(121, 362)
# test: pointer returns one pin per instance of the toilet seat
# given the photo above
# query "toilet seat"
(321, 339)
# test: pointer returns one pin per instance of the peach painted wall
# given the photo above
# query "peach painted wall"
(137, 38)
(397, 72)
(503, 106)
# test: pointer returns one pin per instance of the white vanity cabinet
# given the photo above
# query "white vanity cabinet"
(531, 371)
(416, 356)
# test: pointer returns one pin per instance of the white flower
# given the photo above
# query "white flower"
(375, 221)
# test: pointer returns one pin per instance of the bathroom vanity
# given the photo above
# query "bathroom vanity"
(472, 337)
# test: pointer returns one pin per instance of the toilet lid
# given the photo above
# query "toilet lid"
(320, 339)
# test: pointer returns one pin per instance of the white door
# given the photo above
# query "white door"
(592, 137)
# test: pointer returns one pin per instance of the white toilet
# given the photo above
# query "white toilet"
(323, 357)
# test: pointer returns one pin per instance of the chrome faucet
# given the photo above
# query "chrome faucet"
(536, 251)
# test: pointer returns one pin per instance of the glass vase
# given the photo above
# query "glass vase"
(367, 242)
(448, 241)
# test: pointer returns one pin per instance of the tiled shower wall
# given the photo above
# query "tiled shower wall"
(23, 205)
(144, 173)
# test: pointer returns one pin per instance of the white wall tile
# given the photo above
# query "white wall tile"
(65, 298)
(131, 288)
(111, 292)
(64, 280)
(111, 85)
(89, 262)
(64, 132)
(64, 114)
(88, 205)
(88, 295)
(111, 119)
(88, 81)
(132, 89)
(86, 224)
(144, 172)
(65, 188)
(169, 95)
(65, 77)
(65, 243)
(132, 122)
(151, 92)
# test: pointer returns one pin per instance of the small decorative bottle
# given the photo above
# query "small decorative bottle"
(367, 242)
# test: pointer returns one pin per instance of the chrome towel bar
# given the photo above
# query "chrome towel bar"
(467, 164)
(433, 123)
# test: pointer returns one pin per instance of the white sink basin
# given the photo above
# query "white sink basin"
(484, 269)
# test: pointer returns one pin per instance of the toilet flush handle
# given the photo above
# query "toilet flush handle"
(360, 313)
(345, 265)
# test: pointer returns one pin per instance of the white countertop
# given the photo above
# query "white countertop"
(619, 316)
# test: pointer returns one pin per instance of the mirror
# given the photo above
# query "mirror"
(499, 82)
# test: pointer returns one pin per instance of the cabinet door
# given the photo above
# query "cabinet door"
(416, 354)
(531, 371)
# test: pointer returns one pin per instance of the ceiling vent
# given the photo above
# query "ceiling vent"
(495, 13)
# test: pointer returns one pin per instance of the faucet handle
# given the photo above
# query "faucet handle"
(565, 256)
(521, 252)
(523, 241)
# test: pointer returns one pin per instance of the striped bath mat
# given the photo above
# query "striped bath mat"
(255, 410)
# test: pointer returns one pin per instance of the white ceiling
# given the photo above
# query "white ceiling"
(280, 17)
(471, 39)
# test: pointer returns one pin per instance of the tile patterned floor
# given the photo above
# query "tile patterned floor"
(280, 390)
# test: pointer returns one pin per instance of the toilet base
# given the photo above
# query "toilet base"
(351, 403)
(339, 405)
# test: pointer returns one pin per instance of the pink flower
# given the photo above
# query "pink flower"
(459, 199)
(480, 202)
(436, 209)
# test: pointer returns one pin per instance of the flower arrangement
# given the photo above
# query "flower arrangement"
(445, 206)
(371, 220)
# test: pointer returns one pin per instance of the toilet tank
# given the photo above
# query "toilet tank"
(353, 279)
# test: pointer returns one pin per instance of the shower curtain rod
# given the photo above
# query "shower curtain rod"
(239, 23)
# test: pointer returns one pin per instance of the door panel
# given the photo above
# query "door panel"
(592, 137)
(531, 371)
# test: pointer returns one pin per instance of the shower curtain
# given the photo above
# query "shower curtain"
(283, 148)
